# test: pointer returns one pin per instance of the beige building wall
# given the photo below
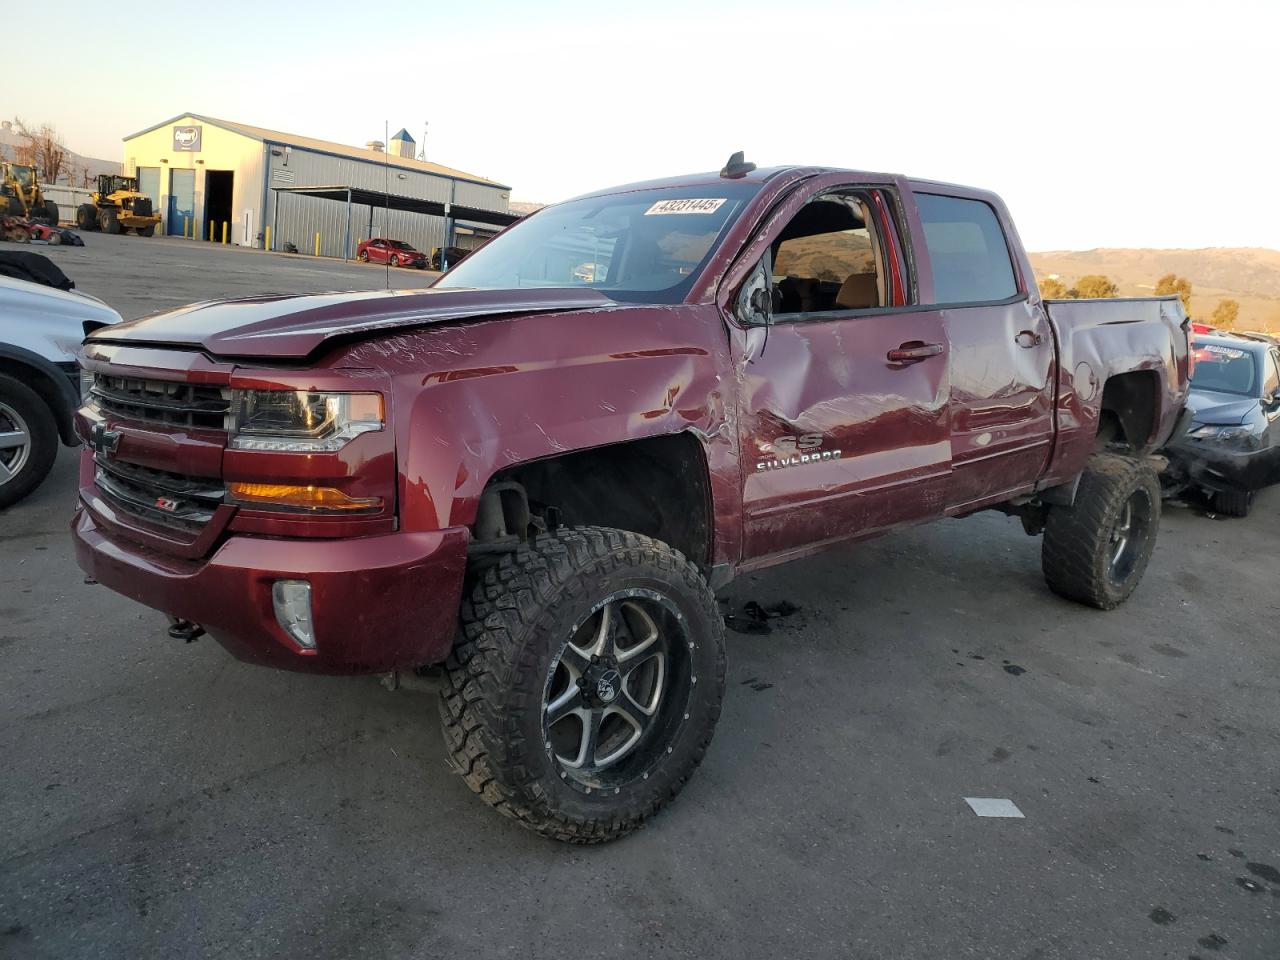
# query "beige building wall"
(220, 150)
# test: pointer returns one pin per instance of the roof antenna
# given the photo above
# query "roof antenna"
(737, 167)
(386, 194)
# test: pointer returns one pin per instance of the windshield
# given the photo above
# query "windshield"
(399, 245)
(1225, 369)
(24, 175)
(646, 246)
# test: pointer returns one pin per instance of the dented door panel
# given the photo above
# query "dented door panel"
(837, 441)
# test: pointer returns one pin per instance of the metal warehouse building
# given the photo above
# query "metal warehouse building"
(210, 178)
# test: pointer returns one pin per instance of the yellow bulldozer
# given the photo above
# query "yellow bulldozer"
(118, 207)
(20, 194)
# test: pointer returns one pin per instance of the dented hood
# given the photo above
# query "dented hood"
(1212, 406)
(294, 327)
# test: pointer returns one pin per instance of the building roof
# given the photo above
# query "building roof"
(328, 146)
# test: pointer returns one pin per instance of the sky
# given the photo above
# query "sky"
(1102, 124)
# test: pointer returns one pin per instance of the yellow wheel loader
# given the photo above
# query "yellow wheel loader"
(118, 207)
(20, 194)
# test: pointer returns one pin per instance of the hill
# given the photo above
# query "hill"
(1250, 275)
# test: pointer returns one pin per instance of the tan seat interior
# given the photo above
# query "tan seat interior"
(859, 292)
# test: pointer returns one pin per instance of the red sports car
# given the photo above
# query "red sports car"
(395, 252)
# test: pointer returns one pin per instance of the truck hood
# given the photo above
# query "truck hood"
(1211, 406)
(294, 327)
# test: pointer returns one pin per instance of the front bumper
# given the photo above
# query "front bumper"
(379, 603)
(1217, 468)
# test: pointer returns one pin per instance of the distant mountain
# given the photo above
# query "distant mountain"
(1250, 275)
(524, 207)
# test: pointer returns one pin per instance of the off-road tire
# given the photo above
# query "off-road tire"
(147, 231)
(110, 221)
(512, 625)
(43, 432)
(51, 212)
(1077, 549)
(87, 216)
(1233, 503)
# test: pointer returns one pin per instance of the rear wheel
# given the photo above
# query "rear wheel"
(51, 212)
(110, 222)
(1096, 551)
(587, 682)
(28, 440)
(1234, 503)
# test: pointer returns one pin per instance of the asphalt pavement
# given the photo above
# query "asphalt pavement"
(160, 799)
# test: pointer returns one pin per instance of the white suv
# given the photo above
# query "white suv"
(40, 333)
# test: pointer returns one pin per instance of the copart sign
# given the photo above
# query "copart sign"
(187, 139)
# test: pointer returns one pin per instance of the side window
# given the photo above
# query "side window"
(1271, 375)
(967, 248)
(828, 258)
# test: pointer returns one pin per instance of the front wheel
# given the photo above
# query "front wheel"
(587, 682)
(1096, 550)
(147, 231)
(28, 440)
(395, 260)
(1233, 503)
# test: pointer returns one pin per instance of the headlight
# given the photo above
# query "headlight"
(1232, 436)
(301, 421)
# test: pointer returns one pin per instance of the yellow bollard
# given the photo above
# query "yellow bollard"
(225, 224)
(266, 239)
(317, 243)
(211, 231)
(186, 227)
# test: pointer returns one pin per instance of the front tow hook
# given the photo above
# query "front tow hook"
(185, 630)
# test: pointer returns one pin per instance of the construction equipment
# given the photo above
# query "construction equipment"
(118, 207)
(20, 194)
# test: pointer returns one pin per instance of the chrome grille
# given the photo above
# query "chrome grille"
(168, 499)
(163, 401)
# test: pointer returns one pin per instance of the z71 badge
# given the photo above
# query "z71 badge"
(795, 451)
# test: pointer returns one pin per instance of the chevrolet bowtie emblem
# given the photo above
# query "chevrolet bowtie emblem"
(102, 440)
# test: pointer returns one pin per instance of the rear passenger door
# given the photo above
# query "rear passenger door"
(1002, 349)
(843, 396)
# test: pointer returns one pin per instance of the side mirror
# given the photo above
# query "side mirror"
(755, 299)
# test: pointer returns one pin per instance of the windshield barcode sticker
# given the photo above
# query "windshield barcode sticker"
(684, 206)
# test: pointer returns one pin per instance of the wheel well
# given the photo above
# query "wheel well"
(657, 487)
(1128, 414)
(50, 392)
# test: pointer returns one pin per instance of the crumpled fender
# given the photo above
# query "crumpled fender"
(471, 400)
(1101, 339)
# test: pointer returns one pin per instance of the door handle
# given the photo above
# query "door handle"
(1028, 339)
(913, 351)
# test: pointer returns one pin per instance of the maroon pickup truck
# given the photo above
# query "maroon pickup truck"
(537, 471)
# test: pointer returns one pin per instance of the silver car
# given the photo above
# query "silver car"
(40, 332)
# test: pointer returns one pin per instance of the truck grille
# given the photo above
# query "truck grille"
(163, 401)
(168, 499)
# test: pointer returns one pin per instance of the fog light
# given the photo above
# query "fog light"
(292, 600)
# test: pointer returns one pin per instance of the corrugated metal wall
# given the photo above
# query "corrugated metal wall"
(301, 217)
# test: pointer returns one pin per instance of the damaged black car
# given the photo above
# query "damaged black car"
(1232, 447)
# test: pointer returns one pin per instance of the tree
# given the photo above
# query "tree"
(1096, 286)
(1172, 283)
(1225, 314)
(40, 149)
(1051, 288)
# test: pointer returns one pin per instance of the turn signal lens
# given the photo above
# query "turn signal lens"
(289, 496)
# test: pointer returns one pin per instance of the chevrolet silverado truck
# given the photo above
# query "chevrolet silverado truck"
(537, 472)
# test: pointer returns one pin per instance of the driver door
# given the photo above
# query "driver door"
(843, 414)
